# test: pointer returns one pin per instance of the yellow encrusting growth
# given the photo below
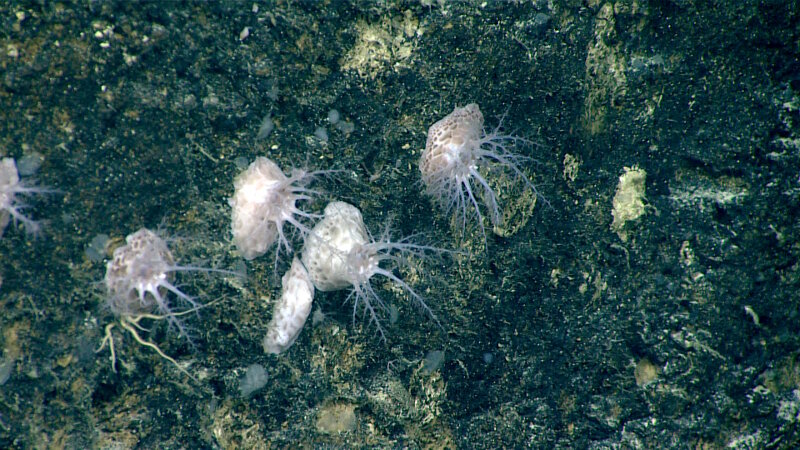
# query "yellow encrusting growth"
(629, 200)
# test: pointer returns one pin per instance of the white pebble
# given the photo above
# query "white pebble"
(334, 116)
(433, 361)
(266, 127)
(6, 369)
(346, 127)
(254, 379)
(321, 134)
(30, 163)
(96, 250)
(241, 162)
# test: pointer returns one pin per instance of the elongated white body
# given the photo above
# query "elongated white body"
(291, 311)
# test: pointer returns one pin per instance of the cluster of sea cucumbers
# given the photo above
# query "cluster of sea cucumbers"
(338, 251)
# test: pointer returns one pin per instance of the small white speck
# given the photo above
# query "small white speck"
(129, 59)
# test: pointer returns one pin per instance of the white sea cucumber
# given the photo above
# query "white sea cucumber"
(291, 311)
(264, 200)
(340, 253)
(456, 149)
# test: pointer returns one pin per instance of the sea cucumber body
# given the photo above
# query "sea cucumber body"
(291, 312)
